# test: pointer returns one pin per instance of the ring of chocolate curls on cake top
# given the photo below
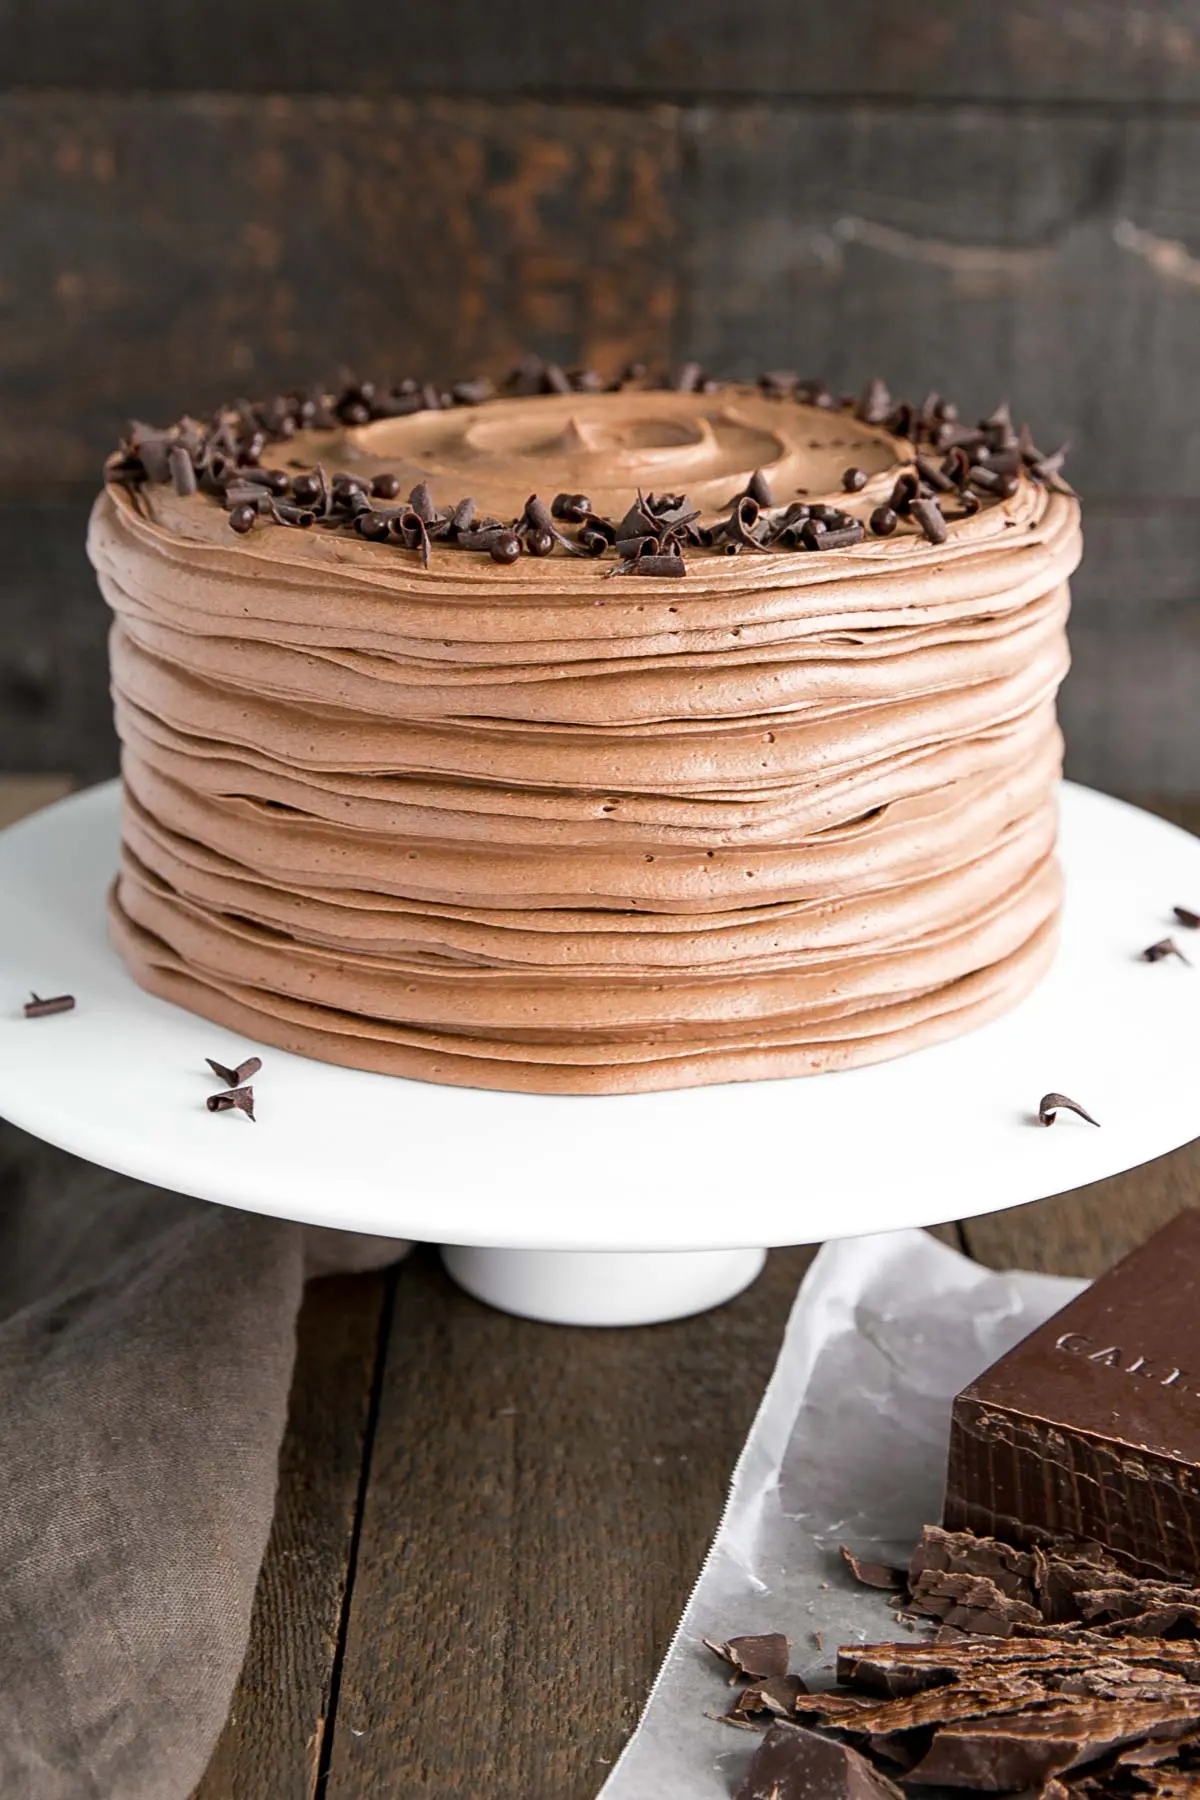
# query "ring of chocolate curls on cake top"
(956, 469)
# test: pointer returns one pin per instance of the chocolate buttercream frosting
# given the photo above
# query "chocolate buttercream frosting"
(522, 826)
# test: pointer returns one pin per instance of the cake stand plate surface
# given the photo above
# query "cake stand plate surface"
(511, 1182)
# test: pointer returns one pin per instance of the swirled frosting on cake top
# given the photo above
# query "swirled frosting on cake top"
(531, 827)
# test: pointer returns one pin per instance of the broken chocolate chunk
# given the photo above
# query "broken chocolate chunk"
(759, 1658)
(1024, 1750)
(970, 1603)
(872, 1574)
(776, 1695)
(794, 1764)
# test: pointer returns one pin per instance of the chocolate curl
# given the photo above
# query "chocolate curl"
(905, 491)
(233, 1078)
(933, 476)
(421, 502)
(37, 1008)
(537, 517)
(241, 1099)
(1165, 947)
(930, 518)
(414, 533)
(745, 523)
(956, 467)
(1050, 1105)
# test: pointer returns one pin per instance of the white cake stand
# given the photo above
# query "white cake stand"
(627, 1209)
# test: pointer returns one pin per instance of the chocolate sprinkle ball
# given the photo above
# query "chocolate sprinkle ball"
(588, 736)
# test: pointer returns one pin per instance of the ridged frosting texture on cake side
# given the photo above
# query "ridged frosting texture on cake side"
(535, 828)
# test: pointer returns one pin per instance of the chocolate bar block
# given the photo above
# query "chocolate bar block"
(1090, 1428)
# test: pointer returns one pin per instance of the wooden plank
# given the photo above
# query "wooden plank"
(171, 253)
(1084, 1232)
(271, 1746)
(1054, 258)
(55, 713)
(1111, 50)
(540, 1501)
(1130, 708)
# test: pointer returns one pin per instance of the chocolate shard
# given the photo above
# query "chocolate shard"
(887, 1724)
(872, 1574)
(758, 1657)
(794, 1764)
(1187, 917)
(1024, 1750)
(1013, 1571)
(970, 1603)
(1050, 1105)
(1090, 1427)
(775, 1694)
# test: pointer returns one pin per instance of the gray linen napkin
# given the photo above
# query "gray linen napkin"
(146, 1350)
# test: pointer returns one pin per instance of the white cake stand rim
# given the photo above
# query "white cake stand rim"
(942, 1134)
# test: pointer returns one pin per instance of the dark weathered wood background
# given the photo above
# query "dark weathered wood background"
(198, 199)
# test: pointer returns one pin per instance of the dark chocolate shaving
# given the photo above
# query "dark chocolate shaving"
(1050, 1105)
(235, 1077)
(37, 1008)
(1187, 917)
(240, 1099)
(1164, 948)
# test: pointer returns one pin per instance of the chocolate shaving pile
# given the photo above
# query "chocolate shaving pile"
(224, 458)
(1054, 1672)
(981, 1585)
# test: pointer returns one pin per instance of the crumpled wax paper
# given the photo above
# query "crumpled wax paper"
(849, 1446)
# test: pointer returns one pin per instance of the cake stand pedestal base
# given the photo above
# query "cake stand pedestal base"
(603, 1287)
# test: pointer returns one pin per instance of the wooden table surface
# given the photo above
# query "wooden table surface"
(486, 1529)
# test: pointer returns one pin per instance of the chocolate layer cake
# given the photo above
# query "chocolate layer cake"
(730, 754)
